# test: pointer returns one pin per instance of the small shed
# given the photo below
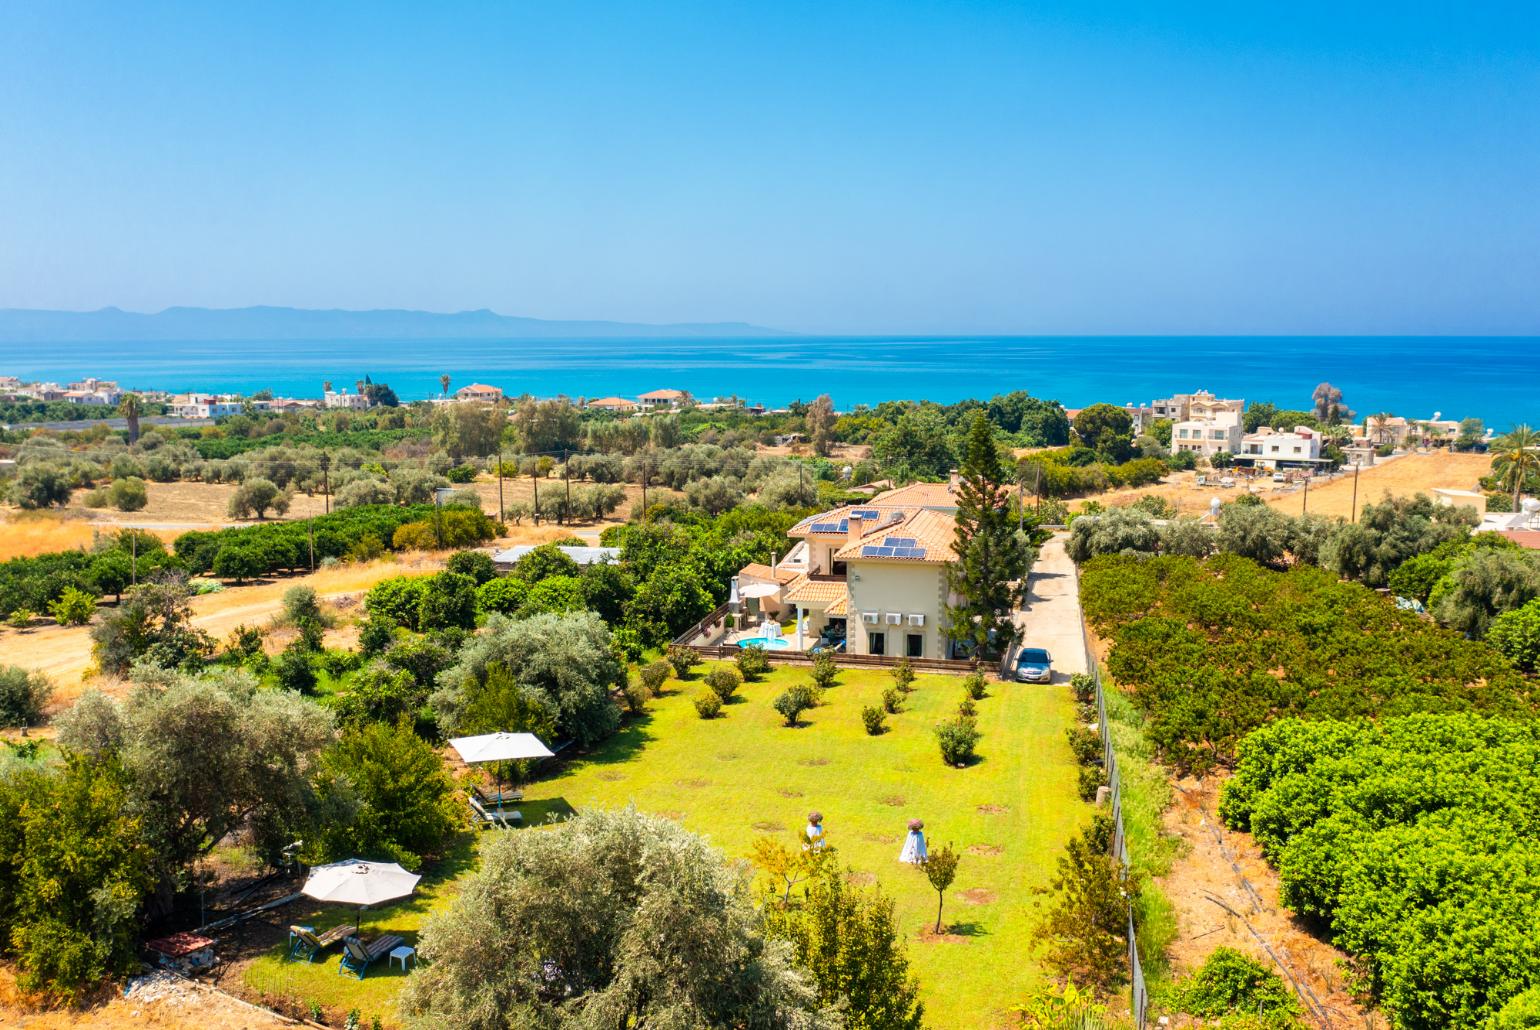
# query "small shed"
(184, 952)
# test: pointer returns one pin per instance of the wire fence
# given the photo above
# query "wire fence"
(1139, 994)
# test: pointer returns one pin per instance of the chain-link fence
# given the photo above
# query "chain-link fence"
(1139, 997)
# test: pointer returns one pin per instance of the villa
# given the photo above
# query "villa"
(1200, 405)
(345, 400)
(197, 405)
(656, 400)
(479, 392)
(1217, 430)
(1270, 448)
(618, 405)
(872, 578)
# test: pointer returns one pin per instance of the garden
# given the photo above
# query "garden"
(744, 775)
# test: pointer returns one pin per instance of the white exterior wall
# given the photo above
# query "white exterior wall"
(1268, 449)
(896, 587)
(1206, 438)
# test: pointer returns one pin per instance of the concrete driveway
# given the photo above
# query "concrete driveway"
(1051, 615)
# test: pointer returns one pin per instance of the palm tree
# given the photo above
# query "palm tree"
(132, 408)
(1381, 423)
(326, 385)
(443, 382)
(1516, 457)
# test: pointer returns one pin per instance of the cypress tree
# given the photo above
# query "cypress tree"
(991, 561)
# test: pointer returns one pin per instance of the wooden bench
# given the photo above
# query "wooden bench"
(358, 956)
(310, 944)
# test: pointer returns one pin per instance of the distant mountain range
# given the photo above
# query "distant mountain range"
(21, 325)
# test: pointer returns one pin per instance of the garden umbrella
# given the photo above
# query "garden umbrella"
(358, 881)
(499, 748)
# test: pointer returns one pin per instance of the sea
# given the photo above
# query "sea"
(1496, 379)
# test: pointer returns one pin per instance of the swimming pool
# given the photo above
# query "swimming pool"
(773, 644)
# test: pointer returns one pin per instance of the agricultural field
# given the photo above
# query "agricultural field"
(745, 775)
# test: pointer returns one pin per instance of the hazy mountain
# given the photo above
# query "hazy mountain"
(21, 325)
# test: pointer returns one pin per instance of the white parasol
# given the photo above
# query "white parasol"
(759, 589)
(357, 881)
(499, 747)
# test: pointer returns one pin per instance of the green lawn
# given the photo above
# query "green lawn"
(744, 775)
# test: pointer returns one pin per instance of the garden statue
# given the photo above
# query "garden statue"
(914, 844)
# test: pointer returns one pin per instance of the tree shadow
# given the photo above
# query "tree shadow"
(968, 929)
(546, 810)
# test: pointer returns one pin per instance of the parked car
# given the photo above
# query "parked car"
(1279, 477)
(1034, 665)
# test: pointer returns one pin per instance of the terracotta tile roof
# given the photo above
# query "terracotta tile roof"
(925, 495)
(662, 395)
(817, 593)
(1529, 538)
(611, 402)
(754, 570)
(887, 514)
(840, 607)
(934, 531)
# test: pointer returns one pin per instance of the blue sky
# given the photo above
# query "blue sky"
(899, 168)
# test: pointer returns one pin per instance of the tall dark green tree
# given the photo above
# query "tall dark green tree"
(991, 558)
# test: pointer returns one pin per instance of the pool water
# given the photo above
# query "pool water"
(774, 644)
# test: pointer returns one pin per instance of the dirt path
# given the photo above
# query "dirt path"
(63, 653)
(1400, 477)
(1220, 863)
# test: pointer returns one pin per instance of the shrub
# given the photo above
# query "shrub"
(294, 670)
(257, 497)
(654, 675)
(974, 686)
(128, 494)
(708, 705)
(892, 700)
(505, 595)
(958, 738)
(967, 708)
(825, 671)
(22, 696)
(682, 658)
(475, 564)
(1084, 686)
(1090, 781)
(793, 702)
(1084, 744)
(903, 675)
(753, 663)
(1516, 636)
(1083, 930)
(873, 719)
(636, 697)
(448, 602)
(1230, 982)
(73, 607)
(397, 600)
(724, 682)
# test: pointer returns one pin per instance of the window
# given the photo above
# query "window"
(914, 645)
(877, 643)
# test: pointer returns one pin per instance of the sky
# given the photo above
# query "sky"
(1079, 167)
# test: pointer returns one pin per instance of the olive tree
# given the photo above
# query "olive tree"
(621, 919)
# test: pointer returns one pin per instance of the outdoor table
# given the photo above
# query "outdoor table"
(401, 954)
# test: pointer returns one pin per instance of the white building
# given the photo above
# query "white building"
(348, 401)
(199, 405)
(655, 400)
(1270, 448)
(1206, 437)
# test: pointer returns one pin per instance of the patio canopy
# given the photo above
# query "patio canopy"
(357, 881)
(500, 747)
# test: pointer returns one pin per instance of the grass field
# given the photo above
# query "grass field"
(744, 775)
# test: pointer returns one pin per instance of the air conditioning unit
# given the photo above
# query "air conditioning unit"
(917, 620)
(895, 618)
(870, 618)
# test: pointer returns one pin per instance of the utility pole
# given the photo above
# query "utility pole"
(1355, 493)
(566, 475)
(326, 482)
(534, 477)
(1021, 505)
(1305, 501)
(500, 485)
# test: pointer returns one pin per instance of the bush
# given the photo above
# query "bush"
(22, 696)
(654, 675)
(257, 497)
(903, 676)
(294, 669)
(1091, 780)
(475, 564)
(967, 708)
(73, 607)
(873, 719)
(1084, 686)
(825, 671)
(724, 682)
(505, 595)
(1230, 982)
(636, 696)
(958, 738)
(682, 658)
(753, 663)
(1085, 745)
(448, 602)
(974, 686)
(397, 600)
(793, 702)
(892, 700)
(708, 706)
(1516, 636)
(128, 494)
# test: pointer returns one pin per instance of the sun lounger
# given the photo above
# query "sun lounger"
(358, 956)
(493, 798)
(304, 941)
(485, 816)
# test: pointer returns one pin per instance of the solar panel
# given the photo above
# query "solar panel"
(870, 551)
(899, 541)
(826, 527)
(867, 513)
(908, 552)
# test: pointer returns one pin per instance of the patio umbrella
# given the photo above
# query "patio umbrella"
(499, 748)
(357, 881)
(759, 589)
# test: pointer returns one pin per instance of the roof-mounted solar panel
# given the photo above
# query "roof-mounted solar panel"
(871, 551)
(900, 541)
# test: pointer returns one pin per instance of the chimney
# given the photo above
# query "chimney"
(857, 527)
(953, 482)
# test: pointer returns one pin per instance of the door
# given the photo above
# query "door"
(914, 645)
(877, 643)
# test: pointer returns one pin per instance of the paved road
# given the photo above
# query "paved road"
(1051, 617)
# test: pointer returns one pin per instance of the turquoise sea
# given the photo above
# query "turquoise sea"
(1493, 378)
